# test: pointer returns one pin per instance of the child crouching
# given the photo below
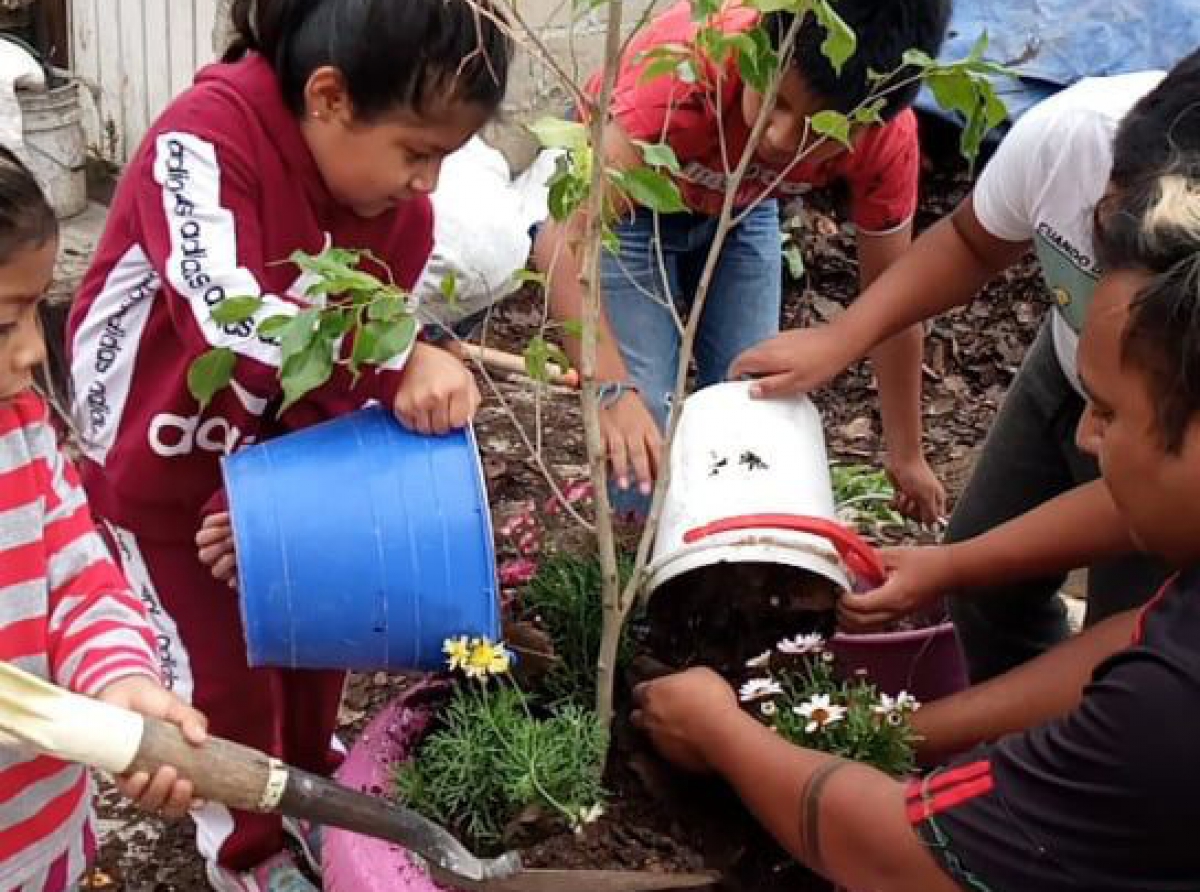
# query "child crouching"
(66, 613)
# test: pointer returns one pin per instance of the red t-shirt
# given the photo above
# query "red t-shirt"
(881, 172)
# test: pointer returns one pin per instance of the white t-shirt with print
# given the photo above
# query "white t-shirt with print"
(1043, 184)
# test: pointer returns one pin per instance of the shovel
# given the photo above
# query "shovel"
(56, 722)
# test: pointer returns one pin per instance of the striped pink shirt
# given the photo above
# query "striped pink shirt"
(67, 615)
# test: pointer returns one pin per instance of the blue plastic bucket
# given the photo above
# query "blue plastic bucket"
(361, 545)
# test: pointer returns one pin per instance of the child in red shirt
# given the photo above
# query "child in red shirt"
(707, 123)
(326, 127)
(66, 614)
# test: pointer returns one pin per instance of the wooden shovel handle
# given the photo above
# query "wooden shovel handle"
(221, 770)
(510, 362)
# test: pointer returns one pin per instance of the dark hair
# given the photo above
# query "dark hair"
(1153, 227)
(885, 30)
(394, 54)
(26, 217)
(1163, 123)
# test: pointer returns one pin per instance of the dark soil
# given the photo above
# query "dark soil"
(656, 821)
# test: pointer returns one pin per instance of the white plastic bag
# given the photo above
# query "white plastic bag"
(482, 223)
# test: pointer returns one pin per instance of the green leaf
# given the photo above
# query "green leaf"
(572, 328)
(380, 342)
(758, 62)
(794, 258)
(660, 155)
(769, 6)
(839, 43)
(529, 277)
(980, 47)
(299, 333)
(662, 60)
(233, 310)
(651, 189)
(387, 308)
(570, 185)
(305, 372)
(555, 133)
(869, 114)
(917, 59)
(210, 373)
(954, 91)
(704, 9)
(539, 354)
(273, 326)
(333, 324)
(833, 125)
(449, 288)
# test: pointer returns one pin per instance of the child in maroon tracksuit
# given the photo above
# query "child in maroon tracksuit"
(298, 142)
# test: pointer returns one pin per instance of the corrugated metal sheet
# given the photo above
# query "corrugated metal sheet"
(135, 55)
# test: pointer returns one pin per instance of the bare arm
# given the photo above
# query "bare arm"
(898, 362)
(1041, 690)
(945, 268)
(632, 439)
(844, 820)
(1073, 530)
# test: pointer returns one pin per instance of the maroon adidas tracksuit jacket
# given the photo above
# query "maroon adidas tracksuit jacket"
(220, 194)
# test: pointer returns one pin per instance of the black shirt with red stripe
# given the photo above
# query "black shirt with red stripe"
(1106, 799)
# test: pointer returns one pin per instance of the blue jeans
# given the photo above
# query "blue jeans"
(743, 306)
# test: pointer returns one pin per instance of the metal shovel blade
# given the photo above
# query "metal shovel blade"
(535, 880)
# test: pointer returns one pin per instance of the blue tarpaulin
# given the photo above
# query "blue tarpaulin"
(1053, 43)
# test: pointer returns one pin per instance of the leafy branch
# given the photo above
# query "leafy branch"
(346, 304)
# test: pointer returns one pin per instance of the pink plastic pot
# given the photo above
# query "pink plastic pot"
(355, 863)
(927, 663)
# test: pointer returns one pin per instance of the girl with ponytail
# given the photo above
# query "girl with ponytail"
(325, 126)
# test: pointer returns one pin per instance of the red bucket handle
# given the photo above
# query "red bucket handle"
(856, 553)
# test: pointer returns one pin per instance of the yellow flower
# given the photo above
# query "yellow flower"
(458, 653)
(486, 658)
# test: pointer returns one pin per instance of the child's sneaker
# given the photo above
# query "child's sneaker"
(311, 840)
(278, 873)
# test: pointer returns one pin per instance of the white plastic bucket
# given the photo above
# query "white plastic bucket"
(750, 483)
(54, 145)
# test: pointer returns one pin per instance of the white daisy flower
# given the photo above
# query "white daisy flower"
(828, 656)
(762, 661)
(820, 713)
(800, 645)
(768, 708)
(885, 706)
(759, 689)
(906, 702)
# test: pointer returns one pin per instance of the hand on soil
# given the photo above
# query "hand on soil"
(676, 709)
(633, 442)
(916, 576)
(919, 493)
(215, 547)
(438, 393)
(166, 792)
(796, 361)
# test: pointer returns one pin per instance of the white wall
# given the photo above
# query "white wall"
(138, 54)
(135, 55)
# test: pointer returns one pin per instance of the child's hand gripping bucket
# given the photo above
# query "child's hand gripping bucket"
(361, 545)
(750, 484)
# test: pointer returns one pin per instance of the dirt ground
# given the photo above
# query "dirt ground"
(971, 356)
